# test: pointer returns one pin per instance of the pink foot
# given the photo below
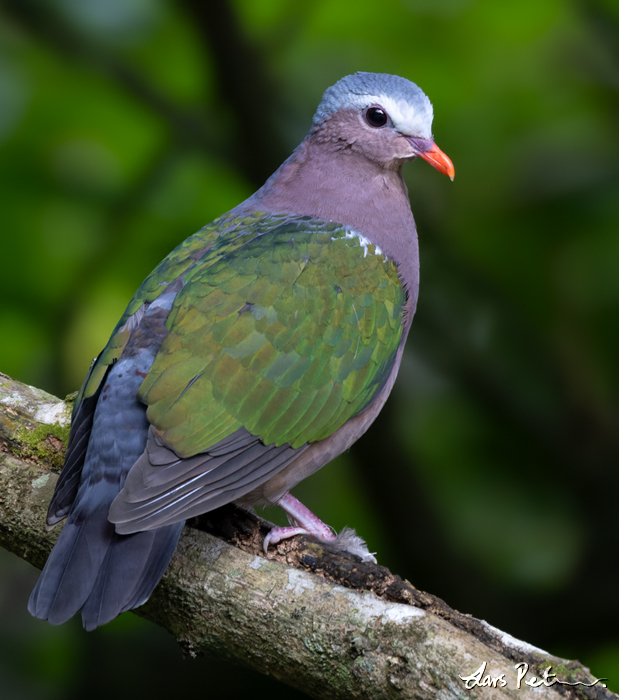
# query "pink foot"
(305, 523)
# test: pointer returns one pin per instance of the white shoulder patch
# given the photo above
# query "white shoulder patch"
(363, 241)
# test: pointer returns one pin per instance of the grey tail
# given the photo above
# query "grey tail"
(94, 569)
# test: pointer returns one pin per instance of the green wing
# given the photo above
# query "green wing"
(223, 234)
(285, 326)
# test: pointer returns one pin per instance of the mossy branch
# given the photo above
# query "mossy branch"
(310, 617)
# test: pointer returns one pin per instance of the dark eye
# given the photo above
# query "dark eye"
(376, 117)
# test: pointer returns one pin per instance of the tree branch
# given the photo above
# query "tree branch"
(309, 616)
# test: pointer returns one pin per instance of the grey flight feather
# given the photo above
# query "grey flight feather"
(162, 489)
(79, 437)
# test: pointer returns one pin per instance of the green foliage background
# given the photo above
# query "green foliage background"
(491, 477)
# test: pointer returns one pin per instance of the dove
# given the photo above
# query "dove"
(259, 350)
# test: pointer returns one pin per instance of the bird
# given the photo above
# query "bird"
(259, 350)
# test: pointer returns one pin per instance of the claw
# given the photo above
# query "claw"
(277, 534)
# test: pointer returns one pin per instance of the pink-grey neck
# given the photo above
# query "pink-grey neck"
(327, 177)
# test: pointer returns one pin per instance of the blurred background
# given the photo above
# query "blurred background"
(490, 479)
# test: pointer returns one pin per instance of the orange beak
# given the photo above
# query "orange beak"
(430, 152)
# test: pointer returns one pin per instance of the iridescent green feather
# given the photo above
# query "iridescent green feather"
(223, 233)
(288, 333)
(286, 326)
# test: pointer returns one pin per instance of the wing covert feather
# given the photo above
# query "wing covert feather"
(288, 331)
(206, 246)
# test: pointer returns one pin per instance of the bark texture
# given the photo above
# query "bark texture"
(317, 620)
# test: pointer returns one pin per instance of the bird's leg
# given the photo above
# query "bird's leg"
(305, 523)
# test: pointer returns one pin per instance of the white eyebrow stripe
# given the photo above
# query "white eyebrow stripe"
(407, 119)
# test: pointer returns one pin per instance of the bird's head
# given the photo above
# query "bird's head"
(386, 118)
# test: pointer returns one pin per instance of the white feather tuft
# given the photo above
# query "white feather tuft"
(349, 541)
